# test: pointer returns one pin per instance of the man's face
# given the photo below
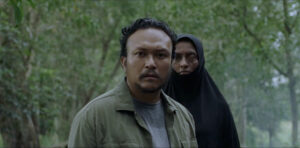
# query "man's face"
(186, 59)
(148, 60)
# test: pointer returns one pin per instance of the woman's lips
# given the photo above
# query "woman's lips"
(184, 72)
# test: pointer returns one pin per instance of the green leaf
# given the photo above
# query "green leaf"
(31, 3)
(18, 11)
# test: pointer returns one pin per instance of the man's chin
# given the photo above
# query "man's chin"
(149, 89)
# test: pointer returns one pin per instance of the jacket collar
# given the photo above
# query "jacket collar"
(124, 98)
(125, 102)
(170, 105)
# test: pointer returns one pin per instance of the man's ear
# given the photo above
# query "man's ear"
(123, 61)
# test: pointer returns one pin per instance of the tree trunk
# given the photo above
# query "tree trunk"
(271, 135)
(20, 134)
(30, 133)
(292, 91)
(243, 127)
(290, 74)
(294, 109)
(242, 132)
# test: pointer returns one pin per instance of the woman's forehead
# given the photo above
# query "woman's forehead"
(184, 46)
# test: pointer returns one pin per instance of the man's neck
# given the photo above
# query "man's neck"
(150, 98)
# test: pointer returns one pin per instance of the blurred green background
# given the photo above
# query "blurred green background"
(56, 55)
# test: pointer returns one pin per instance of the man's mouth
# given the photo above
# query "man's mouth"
(150, 76)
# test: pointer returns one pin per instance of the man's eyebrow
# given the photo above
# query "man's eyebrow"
(156, 49)
(162, 50)
(141, 48)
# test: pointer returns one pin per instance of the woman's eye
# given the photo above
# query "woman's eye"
(177, 57)
(192, 57)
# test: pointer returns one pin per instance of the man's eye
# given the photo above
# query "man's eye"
(161, 55)
(140, 54)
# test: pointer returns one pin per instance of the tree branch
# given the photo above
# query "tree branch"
(258, 41)
(286, 18)
(105, 47)
(28, 65)
(245, 25)
(276, 67)
(113, 74)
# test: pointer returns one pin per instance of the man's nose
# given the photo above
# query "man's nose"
(150, 63)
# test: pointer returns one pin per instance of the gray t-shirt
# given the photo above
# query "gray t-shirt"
(154, 117)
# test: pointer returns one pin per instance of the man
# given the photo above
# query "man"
(137, 113)
(191, 85)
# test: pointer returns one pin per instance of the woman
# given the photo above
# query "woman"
(191, 85)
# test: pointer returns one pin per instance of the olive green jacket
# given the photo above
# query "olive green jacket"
(110, 120)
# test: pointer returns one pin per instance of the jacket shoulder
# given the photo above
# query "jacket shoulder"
(103, 102)
(180, 108)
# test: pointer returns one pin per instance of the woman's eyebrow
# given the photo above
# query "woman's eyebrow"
(191, 53)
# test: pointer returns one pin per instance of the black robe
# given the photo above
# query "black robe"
(199, 94)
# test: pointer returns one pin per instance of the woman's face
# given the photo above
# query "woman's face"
(186, 58)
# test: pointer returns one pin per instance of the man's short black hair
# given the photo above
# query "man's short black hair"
(144, 23)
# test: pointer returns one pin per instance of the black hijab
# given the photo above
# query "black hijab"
(199, 94)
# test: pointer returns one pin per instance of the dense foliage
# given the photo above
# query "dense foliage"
(56, 55)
